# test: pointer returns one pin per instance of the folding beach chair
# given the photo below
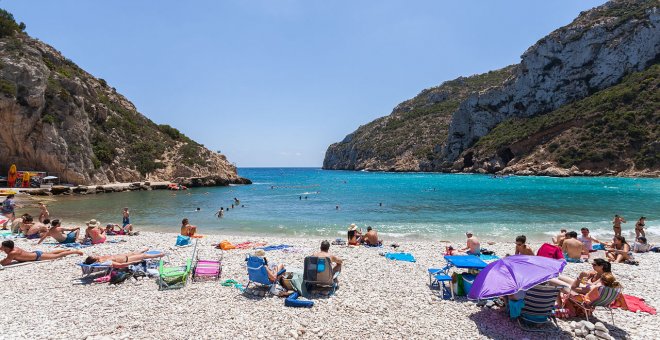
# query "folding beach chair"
(607, 295)
(94, 268)
(207, 270)
(439, 277)
(173, 277)
(256, 268)
(539, 303)
(318, 273)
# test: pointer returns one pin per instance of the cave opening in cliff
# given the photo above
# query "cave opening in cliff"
(467, 160)
(506, 155)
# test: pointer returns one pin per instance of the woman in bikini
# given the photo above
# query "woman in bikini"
(585, 280)
(123, 260)
(639, 227)
(94, 232)
(619, 250)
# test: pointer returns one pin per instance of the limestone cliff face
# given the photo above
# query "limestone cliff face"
(56, 117)
(593, 53)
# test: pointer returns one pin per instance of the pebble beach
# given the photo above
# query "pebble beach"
(377, 298)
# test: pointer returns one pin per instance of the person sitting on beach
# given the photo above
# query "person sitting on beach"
(619, 250)
(335, 260)
(639, 227)
(17, 225)
(585, 280)
(354, 235)
(94, 232)
(473, 247)
(272, 269)
(587, 240)
(522, 248)
(572, 248)
(606, 279)
(187, 229)
(115, 229)
(641, 245)
(17, 254)
(123, 260)
(56, 231)
(43, 212)
(617, 224)
(559, 239)
(371, 238)
(33, 230)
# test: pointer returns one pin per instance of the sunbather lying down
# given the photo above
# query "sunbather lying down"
(123, 260)
(21, 255)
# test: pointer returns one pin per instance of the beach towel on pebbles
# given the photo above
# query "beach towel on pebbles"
(408, 257)
(275, 247)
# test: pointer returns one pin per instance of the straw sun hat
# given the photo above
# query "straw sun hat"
(260, 253)
(93, 223)
(352, 227)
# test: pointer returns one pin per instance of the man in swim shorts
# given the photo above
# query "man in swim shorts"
(572, 247)
(125, 220)
(123, 260)
(20, 255)
(473, 247)
(56, 231)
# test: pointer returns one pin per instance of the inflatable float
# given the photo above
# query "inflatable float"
(12, 176)
(174, 186)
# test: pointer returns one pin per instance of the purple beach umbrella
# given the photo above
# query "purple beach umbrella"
(513, 274)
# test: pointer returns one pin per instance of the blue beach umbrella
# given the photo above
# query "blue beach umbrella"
(512, 274)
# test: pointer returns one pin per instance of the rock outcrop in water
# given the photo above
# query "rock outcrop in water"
(575, 63)
(58, 118)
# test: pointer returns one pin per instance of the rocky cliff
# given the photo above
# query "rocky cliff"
(58, 118)
(592, 54)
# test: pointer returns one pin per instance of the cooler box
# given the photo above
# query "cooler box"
(468, 280)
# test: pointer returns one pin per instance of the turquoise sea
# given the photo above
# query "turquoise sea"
(304, 201)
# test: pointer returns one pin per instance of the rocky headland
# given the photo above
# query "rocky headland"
(56, 117)
(582, 101)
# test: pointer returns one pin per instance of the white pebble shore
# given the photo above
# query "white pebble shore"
(378, 298)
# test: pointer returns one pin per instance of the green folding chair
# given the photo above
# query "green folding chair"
(173, 277)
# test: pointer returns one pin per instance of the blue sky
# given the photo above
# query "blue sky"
(273, 83)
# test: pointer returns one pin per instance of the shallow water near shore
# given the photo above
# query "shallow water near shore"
(303, 201)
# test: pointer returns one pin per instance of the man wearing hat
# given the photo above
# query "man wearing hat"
(473, 247)
(354, 235)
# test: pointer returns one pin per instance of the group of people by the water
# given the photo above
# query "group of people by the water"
(221, 212)
(44, 228)
(577, 248)
(356, 237)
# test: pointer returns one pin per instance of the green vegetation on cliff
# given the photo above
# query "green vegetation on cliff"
(620, 122)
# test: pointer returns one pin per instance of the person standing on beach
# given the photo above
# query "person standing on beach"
(17, 254)
(43, 212)
(125, 220)
(639, 227)
(7, 209)
(617, 224)
(473, 247)
(522, 248)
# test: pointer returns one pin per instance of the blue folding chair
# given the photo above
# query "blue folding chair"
(439, 277)
(257, 273)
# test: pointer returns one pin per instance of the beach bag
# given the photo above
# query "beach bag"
(182, 240)
(117, 277)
